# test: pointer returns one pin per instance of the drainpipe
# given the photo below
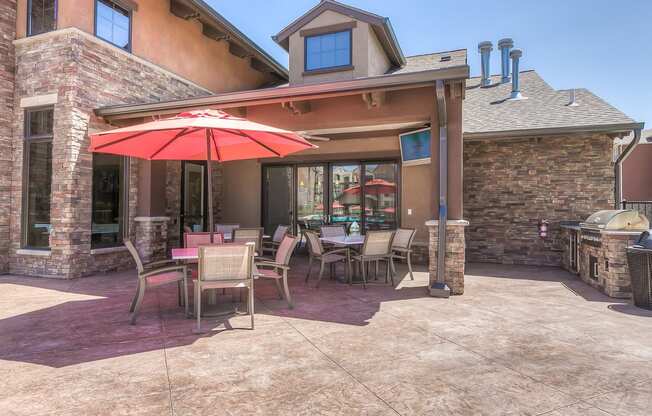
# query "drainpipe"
(440, 288)
(618, 168)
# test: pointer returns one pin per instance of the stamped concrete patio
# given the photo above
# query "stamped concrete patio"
(522, 340)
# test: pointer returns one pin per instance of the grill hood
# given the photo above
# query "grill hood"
(617, 220)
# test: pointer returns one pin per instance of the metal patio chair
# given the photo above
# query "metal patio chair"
(277, 238)
(153, 275)
(225, 266)
(402, 248)
(278, 269)
(377, 247)
(226, 229)
(245, 235)
(316, 252)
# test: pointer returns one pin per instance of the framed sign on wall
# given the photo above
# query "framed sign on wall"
(415, 147)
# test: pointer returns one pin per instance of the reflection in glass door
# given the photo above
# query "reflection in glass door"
(380, 196)
(345, 196)
(310, 198)
(194, 200)
(278, 197)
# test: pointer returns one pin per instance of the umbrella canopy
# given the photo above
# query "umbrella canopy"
(199, 135)
(210, 135)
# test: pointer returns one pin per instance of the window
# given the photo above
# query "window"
(331, 50)
(37, 178)
(108, 206)
(41, 16)
(113, 23)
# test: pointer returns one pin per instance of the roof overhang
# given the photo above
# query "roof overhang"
(382, 27)
(289, 93)
(219, 28)
(595, 128)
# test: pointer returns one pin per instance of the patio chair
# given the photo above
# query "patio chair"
(333, 230)
(150, 275)
(316, 252)
(402, 248)
(377, 247)
(277, 238)
(201, 239)
(278, 269)
(245, 235)
(225, 266)
(226, 229)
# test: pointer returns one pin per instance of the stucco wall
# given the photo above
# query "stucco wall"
(7, 28)
(85, 74)
(509, 185)
(166, 40)
(637, 174)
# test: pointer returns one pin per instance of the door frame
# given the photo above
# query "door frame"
(328, 164)
(182, 199)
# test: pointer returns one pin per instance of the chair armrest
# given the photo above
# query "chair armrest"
(160, 270)
(271, 264)
(158, 263)
(337, 251)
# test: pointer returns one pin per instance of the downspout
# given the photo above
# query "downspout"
(440, 289)
(618, 168)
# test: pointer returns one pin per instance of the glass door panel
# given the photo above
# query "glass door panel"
(311, 211)
(194, 200)
(380, 196)
(345, 196)
(278, 197)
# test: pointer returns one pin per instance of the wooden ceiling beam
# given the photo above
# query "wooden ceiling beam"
(182, 10)
(238, 50)
(213, 33)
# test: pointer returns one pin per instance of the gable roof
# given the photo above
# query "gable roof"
(430, 61)
(488, 112)
(380, 25)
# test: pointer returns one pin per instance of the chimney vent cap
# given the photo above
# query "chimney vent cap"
(516, 53)
(506, 43)
(486, 45)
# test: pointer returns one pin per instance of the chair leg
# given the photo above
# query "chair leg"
(198, 304)
(133, 302)
(409, 262)
(309, 267)
(376, 270)
(185, 295)
(392, 265)
(288, 298)
(278, 287)
(389, 271)
(251, 304)
(364, 274)
(321, 272)
(139, 302)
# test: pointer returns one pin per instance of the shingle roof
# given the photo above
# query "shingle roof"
(488, 110)
(431, 61)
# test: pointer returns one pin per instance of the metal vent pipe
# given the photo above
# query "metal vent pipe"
(505, 45)
(485, 49)
(516, 54)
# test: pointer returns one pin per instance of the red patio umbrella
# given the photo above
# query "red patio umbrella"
(210, 135)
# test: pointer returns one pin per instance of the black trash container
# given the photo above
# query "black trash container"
(639, 259)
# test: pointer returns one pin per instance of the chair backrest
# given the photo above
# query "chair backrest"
(377, 243)
(314, 243)
(333, 230)
(245, 235)
(226, 262)
(226, 228)
(403, 237)
(192, 240)
(135, 254)
(285, 249)
(280, 232)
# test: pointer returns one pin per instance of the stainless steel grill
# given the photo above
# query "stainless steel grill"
(616, 220)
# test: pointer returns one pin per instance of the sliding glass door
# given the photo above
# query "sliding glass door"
(360, 195)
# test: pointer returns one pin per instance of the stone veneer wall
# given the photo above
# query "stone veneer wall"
(455, 254)
(509, 185)
(7, 35)
(86, 73)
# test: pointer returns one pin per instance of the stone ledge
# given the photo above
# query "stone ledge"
(108, 250)
(28, 252)
(434, 223)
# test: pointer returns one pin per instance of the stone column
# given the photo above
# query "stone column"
(7, 71)
(455, 245)
(151, 237)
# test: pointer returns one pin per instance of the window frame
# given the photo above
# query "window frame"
(124, 200)
(28, 28)
(121, 6)
(335, 68)
(27, 139)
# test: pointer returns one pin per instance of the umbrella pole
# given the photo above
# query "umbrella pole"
(209, 172)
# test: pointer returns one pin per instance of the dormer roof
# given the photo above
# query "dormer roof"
(380, 25)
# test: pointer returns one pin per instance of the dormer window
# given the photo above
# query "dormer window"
(328, 51)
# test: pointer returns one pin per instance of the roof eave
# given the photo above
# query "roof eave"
(594, 128)
(279, 94)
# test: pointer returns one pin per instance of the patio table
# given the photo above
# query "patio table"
(229, 236)
(348, 242)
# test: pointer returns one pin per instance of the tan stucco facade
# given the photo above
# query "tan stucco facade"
(368, 57)
(181, 48)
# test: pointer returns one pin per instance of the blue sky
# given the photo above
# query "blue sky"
(602, 45)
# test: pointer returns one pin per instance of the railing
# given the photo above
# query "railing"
(644, 207)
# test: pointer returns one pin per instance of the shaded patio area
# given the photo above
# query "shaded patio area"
(522, 340)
